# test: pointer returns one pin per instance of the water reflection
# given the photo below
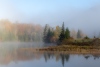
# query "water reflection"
(63, 57)
(86, 57)
(17, 55)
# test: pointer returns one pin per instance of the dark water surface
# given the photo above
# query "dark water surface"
(11, 56)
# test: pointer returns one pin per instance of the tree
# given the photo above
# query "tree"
(62, 34)
(79, 34)
(73, 34)
(57, 32)
(67, 33)
(86, 37)
(45, 34)
(49, 34)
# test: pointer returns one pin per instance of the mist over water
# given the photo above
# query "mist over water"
(19, 58)
(82, 15)
(23, 30)
(15, 54)
(22, 45)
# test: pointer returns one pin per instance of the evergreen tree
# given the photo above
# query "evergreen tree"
(67, 33)
(79, 34)
(50, 34)
(45, 34)
(62, 34)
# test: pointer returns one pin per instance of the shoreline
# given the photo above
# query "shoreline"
(65, 49)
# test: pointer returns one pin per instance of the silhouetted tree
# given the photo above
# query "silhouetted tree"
(62, 34)
(67, 33)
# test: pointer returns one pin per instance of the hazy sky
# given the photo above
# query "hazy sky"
(77, 14)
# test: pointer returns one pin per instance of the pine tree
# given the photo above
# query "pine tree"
(67, 33)
(79, 34)
(62, 34)
(50, 34)
(45, 34)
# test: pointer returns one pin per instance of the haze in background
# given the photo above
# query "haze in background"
(77, 14)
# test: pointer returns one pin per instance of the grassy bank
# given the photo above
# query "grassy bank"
(71, 49)
(79, 46)
(66, 49)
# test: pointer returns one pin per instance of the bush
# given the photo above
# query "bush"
(86, 37)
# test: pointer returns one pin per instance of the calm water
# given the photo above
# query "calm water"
(12, 56)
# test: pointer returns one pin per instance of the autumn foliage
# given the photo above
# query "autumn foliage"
(20, 31)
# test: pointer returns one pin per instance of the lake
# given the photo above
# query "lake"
(11, 56)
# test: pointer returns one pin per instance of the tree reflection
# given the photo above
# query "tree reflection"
(94, 56)
(86, 57)
(16, 55)
(45, 57)
(62, 57)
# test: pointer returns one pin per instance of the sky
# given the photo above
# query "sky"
(76, 14)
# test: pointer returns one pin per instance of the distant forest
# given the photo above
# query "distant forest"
(59, 34)
(10, 31)
(18, 31)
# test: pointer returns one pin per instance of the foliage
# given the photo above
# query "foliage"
(19, 31)
(67, 34)
(45, 34)
(86, 37)
(48, 35)
(62, 34)
(57, 33)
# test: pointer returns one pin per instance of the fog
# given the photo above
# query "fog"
(76, 14)
(85, 19)
(43, 33)
(16, 45)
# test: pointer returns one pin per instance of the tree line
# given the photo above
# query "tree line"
(51, 35)
(10, 31)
